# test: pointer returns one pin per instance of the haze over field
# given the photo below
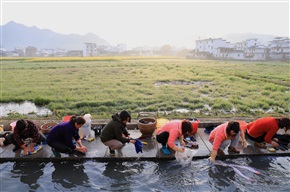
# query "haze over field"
(141, 23)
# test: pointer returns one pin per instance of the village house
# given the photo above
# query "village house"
(279, 49)
(90, 50)
(249, 49)
(30, 51)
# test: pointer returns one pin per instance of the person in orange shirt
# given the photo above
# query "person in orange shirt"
(168, 133)
(228, 133)
(264, 130)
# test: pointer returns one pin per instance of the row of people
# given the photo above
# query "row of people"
(65, 138)
(261, 131)
(115, 135)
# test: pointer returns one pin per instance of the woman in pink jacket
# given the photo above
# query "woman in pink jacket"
(226, 134)
(168, 133)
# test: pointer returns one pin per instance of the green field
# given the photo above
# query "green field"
(103, 86)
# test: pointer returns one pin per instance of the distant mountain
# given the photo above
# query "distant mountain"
(15, 34)
(239, 37)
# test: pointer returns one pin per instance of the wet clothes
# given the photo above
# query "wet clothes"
(61, 137)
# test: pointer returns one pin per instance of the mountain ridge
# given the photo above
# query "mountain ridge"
(43, 38)
(48, 39)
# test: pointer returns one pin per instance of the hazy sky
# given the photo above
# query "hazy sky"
(152, 23)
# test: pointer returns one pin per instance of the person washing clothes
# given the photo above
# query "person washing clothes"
(61, 136)
(169, 132)
(264, 130)
(23, 130)
(115, 134)
(223, 135)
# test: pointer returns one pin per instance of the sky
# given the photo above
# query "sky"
(151, 23)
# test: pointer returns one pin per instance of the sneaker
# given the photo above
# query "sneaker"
(112, 152)
(55, 152)
(165, 150)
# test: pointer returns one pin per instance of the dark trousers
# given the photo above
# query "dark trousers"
(58, 146)
(162, 138)
(40, 139)
(257, 139)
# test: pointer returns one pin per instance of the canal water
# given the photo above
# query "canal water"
(145, 176)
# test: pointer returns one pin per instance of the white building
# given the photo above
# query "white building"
(230, 53)
(256, 53)
(90, 50)
(46, 52)
(279, 49)
(249, 49)
(211, 45)
(246, 44)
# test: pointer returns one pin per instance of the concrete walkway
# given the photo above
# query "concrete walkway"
(99, 152)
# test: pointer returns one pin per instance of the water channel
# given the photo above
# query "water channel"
(200, 175)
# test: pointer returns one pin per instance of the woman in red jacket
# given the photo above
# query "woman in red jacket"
(264, 130)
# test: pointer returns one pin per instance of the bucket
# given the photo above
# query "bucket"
(66, 118)
(194, 123)
(161, 122)
(45, 128)
(147, 125)
(84, 130)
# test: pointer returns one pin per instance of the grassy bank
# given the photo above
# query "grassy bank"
(102, 86)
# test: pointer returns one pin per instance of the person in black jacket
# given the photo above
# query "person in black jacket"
(60, 138)
(115, 134)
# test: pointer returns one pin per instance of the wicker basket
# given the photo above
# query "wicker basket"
(147, 125)
(45, 128)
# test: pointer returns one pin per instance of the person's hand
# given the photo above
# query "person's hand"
(211, 159)
(25, 151)
(181, 149)
(31, 148)
(244, 143)
(133, 141)
(276, 139)
(275, 144)
(82, 149)
(182, 143)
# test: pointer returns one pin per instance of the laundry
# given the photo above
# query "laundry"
(235, 168)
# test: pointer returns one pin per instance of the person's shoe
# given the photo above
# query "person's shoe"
(55, 152)
(260, 145)
(15, 148)
(112, 152)
(165, 150)
(232, 150)
(220, 152)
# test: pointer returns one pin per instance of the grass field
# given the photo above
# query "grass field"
(102, 86)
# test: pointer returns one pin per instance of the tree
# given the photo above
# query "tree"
(166, 50)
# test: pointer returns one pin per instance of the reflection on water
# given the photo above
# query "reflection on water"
(23, 108)
(146, 176)
(69, 175)
(28, 174)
